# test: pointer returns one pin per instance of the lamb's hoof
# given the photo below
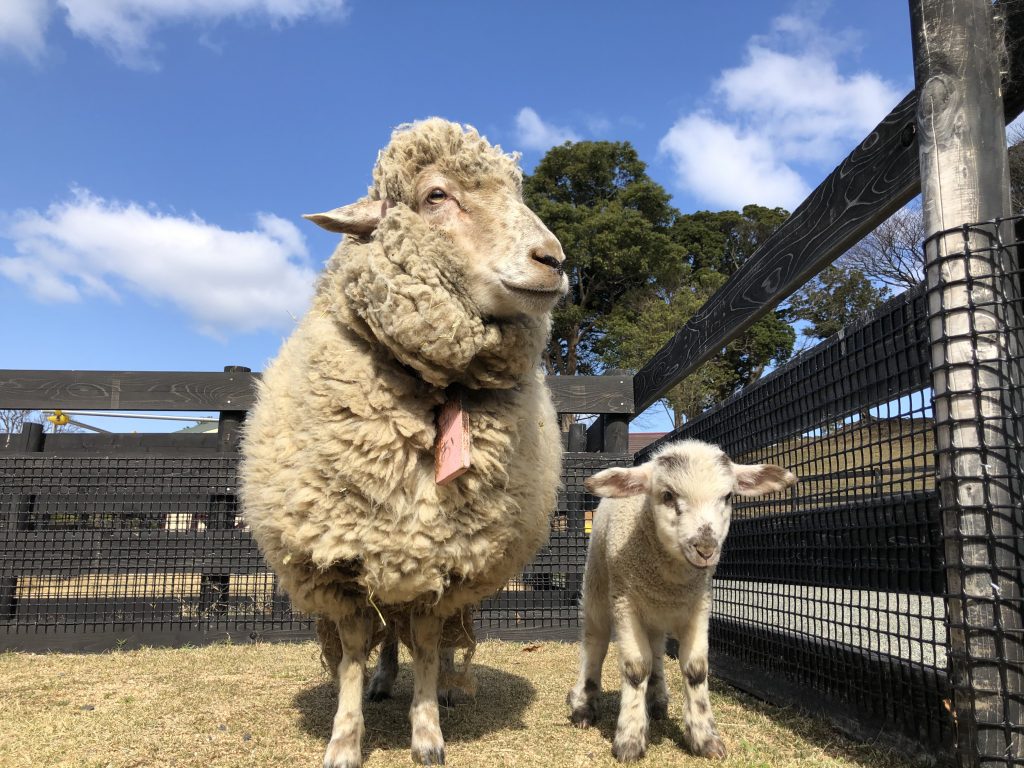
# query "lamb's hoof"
(713, 747)
(342, 754)
(584, 716)
(628, 750)
(431, 756)
(657, 710)
(374, 696)
(446, 699)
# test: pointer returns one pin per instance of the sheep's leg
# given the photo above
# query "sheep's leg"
(698, 721)
(427, 740)
(344, 750)
(582, 699)
(387, 670)
(657, 690)
(635, 662)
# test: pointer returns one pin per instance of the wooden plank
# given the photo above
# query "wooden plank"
(975, 323)
(887, 545)
(113, 444)
(127, 390)
(592, 394)
(874, 181)
(235, 391)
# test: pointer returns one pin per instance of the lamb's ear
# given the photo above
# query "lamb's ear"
(358, 219)
(619, 481)
(755, 479)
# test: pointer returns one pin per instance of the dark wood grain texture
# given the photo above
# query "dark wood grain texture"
(127, 390)
(235, 391)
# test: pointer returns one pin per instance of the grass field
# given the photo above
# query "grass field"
(271, 705)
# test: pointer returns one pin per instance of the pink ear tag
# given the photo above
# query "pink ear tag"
(453, 446)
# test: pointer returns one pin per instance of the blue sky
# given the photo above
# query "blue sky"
(156, 155)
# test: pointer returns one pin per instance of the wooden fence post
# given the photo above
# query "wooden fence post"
(18, 517)
(975, 324)
(214, 587)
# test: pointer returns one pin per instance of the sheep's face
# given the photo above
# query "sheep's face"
(513, 262)
(689, 487)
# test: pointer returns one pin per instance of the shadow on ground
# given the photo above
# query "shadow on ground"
(501, 700)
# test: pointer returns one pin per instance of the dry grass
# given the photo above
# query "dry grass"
(271, 705)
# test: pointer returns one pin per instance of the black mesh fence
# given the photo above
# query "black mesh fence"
(831, 595)
(121, 550)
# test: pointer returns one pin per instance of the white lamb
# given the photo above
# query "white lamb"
(439, 295)
(656, 540)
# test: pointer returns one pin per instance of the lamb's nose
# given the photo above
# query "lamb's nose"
(705, 551)
(548, 260)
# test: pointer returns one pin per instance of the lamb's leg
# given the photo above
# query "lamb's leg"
(698, 721)
(635, 662)
(427, 740)
(344, 751)
(387, 670)
(657, 690)
(582, 699)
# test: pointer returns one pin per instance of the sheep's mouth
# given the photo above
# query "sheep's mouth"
(540, 293)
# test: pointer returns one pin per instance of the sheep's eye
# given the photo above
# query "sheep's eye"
(436, 196)
(728, 498)
(668, 497)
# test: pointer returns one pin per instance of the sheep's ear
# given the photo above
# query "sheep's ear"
(358, 219)
(619, 481)
(755, 479)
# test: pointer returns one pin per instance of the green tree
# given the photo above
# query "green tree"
(614, 224)
(833, 300)
(722, 240)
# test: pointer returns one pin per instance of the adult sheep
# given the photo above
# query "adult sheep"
(438, 296)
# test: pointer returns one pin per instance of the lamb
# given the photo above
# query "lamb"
(439, 295)
(657, 537)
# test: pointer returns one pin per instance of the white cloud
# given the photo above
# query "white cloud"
(125, 27)
(788, 106)
(728, 168)
(534, 133)
(225, 281)
(23, 26)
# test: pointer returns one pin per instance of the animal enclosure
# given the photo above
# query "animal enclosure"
(885, 590)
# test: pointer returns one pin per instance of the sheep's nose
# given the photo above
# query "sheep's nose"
(548, 260)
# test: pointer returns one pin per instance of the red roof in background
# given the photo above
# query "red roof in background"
(639, 440)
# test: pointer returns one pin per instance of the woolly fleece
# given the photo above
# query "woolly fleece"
(337, 478)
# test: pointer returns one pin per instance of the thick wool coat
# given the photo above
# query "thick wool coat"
(337, 479)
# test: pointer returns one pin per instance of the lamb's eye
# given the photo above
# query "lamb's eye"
(667, 497)
(436, 196)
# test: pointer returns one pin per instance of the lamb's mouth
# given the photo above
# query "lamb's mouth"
(540, 293)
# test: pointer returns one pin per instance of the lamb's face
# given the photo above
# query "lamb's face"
(691, 501)
(514, 263)
(689, 487)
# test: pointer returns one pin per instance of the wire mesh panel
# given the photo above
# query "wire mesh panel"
(976, 316)
(544, 600)
(831, 595)
(122, 550)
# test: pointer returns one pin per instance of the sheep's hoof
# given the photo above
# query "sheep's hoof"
(446, 699)
(431, 756)
(377, 695)
(341, 753)
(584, 716)
(628, 750)
(713, 747)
